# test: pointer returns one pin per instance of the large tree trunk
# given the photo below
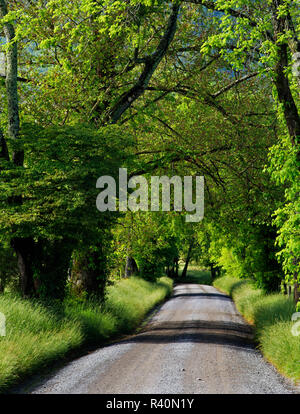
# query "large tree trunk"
(282, 83)
(11, 83)
(89, 272)
(285, 96)
(294, 44)
(24, 248)
(213, 271)
(188, 258)
(130, 267)
(3, 148)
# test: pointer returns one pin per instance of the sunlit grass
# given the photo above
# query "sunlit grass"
(271, 314)
(195, 275)
(37, 335)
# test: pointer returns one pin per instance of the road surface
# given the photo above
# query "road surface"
(197, 343)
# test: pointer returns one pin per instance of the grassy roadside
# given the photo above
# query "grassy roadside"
(37, 335)
(195, 275)
(271, 314)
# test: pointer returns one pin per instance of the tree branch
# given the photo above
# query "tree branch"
(19, 78)
(233, 84)
(151, 64)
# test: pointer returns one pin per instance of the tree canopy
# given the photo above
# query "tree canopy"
(188, 88)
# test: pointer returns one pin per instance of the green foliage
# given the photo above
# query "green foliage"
(264, 41)
(152, 239)
(58, 181)
(284, 168)
(79, 60)
(271, 315)
(58, 190)
(247, 251)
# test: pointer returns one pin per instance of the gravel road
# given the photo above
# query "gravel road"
(197, 343)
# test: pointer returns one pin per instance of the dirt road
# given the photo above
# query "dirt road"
(196, 343)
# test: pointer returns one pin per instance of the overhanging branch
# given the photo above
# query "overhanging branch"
(151, 63)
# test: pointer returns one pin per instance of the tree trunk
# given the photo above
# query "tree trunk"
(24, 248)
(285, 289)
(131, 267)
(188, 258)
(11, 83)
(3, 147)
(176, 267)
(213, 271)
(184, 271)
(89, 272)
(282, 84)
(296, 293)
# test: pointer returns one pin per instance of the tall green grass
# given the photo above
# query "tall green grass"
(271, 314)
(38, 334)
(195, 275)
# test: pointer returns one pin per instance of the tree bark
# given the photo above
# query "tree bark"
(130, 267)
(296, 292)
(294, 45)
(24, 248)
(11, 83)
(285, 96)
(176, 260)
(285, 289)
(188, 258)
(89, 272)
(213, 271)
(3, 148)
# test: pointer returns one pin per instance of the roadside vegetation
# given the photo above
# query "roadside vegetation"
(271, 315)
(195, 274)
(37, 334)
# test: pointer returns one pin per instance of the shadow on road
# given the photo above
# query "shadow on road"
(196, 331)
(201, 295)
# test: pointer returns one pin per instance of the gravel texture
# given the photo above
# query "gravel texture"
(196, 343)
